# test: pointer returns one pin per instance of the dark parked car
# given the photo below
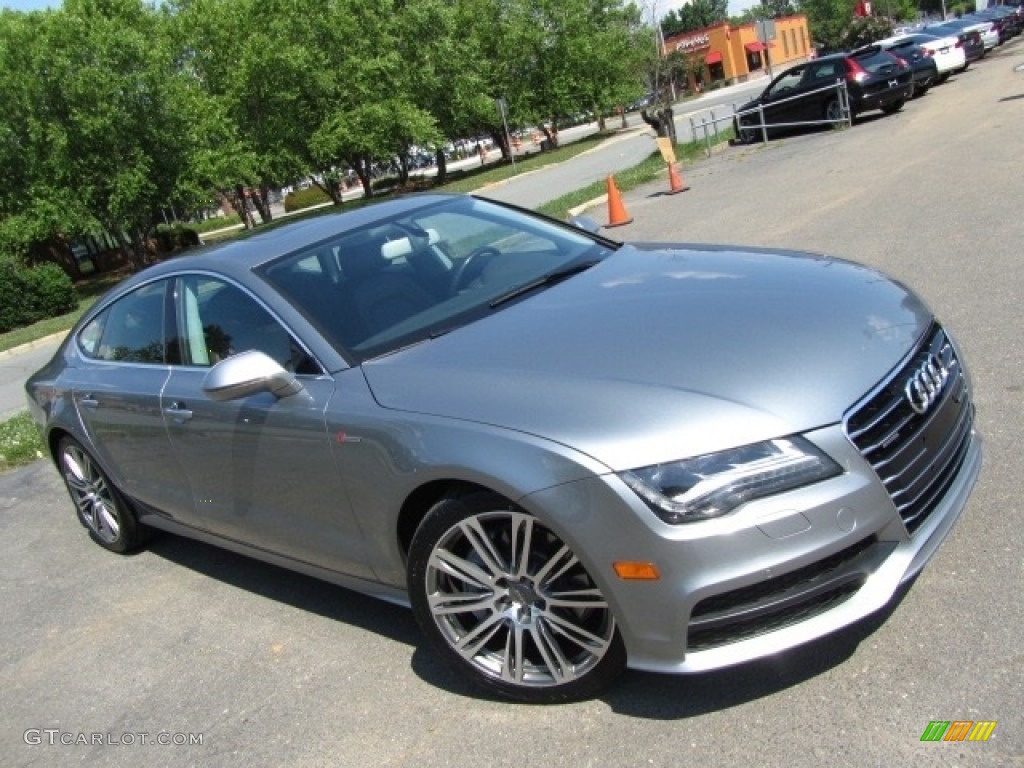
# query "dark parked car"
(1008, 19)
(804, 94)
(923, 67)
(567, 454)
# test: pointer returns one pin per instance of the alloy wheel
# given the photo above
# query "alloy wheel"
(512, 600)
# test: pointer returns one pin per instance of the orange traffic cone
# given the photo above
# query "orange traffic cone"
(675, 181)
(617, 215)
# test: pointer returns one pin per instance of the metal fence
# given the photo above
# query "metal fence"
(705, 127)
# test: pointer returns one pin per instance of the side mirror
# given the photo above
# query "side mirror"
(246, 374)
(585, 223)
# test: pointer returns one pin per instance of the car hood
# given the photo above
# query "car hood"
(662, 353)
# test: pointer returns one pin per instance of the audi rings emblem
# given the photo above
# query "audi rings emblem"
(925, 386)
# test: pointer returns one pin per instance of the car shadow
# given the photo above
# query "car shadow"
(289, 587)
(637, 694)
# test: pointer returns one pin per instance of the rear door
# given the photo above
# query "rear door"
(127, 353)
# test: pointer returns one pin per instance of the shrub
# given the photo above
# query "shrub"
(304, 198)
(29, 294)
(176, 238)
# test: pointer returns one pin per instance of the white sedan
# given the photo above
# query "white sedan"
(946, 51)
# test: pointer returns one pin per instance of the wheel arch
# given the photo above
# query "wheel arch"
(420, 501)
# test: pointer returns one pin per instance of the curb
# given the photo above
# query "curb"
(22, 348)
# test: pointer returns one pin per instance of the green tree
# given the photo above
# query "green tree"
(695, 14)
(551, 59)
(862, 30)
(102, 119)
(828, 21)
(262, 74)
(366, 111)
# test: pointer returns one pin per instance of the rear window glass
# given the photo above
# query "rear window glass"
(875, 60)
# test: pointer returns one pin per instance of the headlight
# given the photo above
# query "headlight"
(715, 484)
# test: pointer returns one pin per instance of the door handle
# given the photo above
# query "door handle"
(88, 401)
(178, 412)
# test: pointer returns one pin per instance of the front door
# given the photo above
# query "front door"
(262, 470)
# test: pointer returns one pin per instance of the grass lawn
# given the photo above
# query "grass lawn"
(19, 442)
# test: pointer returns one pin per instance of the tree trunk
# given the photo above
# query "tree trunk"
(501, 142)
(361, 165)
(403, 169)
(133, 247)
(261, 199)
(551, 133)
(442, 168)
(237, 201)
(331, 186)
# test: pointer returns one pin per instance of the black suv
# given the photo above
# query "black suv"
(809, 93)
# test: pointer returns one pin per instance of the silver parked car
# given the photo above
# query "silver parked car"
(567, 454)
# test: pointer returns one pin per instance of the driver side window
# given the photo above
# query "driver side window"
(788, 82)
(217, 320)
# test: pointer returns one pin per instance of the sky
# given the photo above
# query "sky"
(736, 7)
(29, 5)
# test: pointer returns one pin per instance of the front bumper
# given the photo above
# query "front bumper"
(776, 574)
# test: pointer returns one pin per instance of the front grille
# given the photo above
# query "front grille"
(916, 455)
(783, 600)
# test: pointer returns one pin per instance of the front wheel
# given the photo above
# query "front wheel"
(744, 134)
(502, 598)
(834, 114)
(101, 508)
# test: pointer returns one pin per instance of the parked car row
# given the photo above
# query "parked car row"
(883, 75)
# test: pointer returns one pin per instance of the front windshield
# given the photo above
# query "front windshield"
(427, 272)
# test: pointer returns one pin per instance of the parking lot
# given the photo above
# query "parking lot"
(185, 643)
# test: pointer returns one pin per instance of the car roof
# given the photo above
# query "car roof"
(252, 250)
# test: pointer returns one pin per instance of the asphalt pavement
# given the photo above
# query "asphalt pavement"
(236, 662)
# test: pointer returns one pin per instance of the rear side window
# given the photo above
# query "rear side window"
(131, 330)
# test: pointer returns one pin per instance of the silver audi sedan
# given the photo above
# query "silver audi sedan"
(567, 454)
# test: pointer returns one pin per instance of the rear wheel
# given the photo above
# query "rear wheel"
(101, 507)
(504, 600)
(896, 106)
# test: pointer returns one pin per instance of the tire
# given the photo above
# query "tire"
(744, 133)
(833, 111)
(101, 508)
(505, 601)
(896, 106)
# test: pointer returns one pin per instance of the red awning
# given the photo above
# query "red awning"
(757, 46)
(713, 58)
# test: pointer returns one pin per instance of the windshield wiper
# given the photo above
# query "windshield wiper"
(542, 282)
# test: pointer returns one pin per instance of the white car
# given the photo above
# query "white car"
(946, 51)
(988, 31)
